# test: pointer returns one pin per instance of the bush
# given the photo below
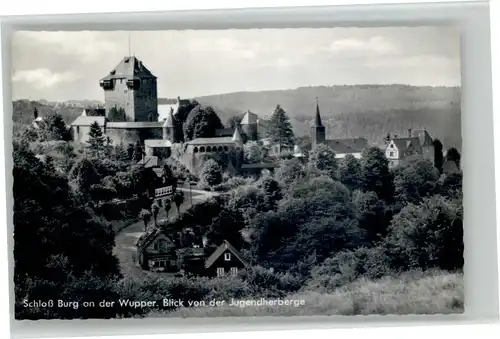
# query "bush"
(347, 266)
(266, 283)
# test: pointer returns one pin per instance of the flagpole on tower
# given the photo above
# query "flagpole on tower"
(129, 52)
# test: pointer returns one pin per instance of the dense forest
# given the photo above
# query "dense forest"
(316, 226)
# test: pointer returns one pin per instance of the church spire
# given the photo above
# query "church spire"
(317, 121)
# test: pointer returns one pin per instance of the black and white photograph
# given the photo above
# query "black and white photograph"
(237, 173)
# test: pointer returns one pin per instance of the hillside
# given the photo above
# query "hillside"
(371, 111)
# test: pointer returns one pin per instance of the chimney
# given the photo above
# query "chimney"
(409, 132)
(35, 113)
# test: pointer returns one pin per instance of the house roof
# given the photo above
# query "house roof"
(404, 143)
(249, 118)
(149, 161)
(132, 124)
(211, 141)
(224, 132)
(87, 121)
(147, 238)
(221, 249)
(129, 68)
(424, 137)
(169, 120)
(157, 143)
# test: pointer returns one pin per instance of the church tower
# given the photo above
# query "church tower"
(168, 127)
(318, 134)
(130, 92)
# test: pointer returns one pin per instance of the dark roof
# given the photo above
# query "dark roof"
(224, 132)
(221, 249)
(149, 161)
(353, 145)
(317, 120)
(129, 68)
(147, 238)
(424, 137)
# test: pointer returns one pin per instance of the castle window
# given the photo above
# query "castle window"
(195, 150)
(209, 149)
(226, 148)
(219, 148)
(202, 149)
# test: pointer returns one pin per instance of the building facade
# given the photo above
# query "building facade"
(417, 142)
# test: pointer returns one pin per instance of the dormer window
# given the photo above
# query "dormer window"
(113, 72)
(107, 84)
(133, 84)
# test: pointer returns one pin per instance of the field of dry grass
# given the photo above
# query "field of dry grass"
(410, 293)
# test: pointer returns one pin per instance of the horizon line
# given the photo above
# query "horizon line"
(256, 91)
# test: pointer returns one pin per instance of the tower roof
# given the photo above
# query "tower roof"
(249, 118)
(317, 120)
(237, 135)
(129, 68)
(169, 121)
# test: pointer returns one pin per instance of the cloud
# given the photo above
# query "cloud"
(374, 46)
(43, 77)
(86, 45)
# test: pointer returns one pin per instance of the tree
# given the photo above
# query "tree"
(180, 118)
(146, 217)
(226, 226)
(438, 155)
(350, 172)
(280, 130)
(427, 235)
(51, 231)
(375, 174)
(155, 209)
(453, 155)
(371, 214)
(253, 152)
(121, 153)
(211, 173)
(202, 122)
(84, 174)
(414, 179)
(167, 205)
(234, 121)
(322, 159)
(52, 128)
(178, 200)
(289, 171)
(138, 152)
(96, 141)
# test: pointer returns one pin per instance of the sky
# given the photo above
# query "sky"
(68, 65)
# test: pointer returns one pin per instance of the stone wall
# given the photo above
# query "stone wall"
(127, 136)
(138, 103)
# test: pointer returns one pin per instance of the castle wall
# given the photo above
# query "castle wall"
(146, 100)
(127, 136)
(138, 103)
(120, 97)
(81, 133)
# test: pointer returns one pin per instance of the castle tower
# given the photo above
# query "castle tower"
(249, 125)
(168, 127)
(318, 134)
(130, 88)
